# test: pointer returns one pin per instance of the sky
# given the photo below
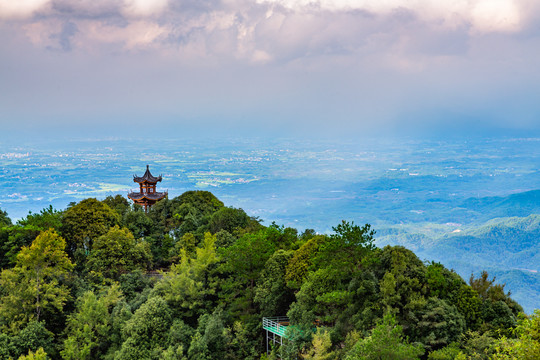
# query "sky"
(171, 67)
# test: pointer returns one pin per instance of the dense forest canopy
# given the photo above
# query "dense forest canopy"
(192, 279)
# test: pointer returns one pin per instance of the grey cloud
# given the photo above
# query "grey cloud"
(63, 38)
(83, 9)
(69, 29)
(263, 63)
(280, 33)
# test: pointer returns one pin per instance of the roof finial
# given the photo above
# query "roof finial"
(147, 167)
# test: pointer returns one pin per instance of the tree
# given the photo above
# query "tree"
(40, 354)
(47, 218)
(527, 344)
(204, 201)
(118, 203)
(117, 252)
(33, 285)
(300, 263)
(211, 339)
(386, 341)
(33, 337)
(13, 238)
(442, 282)
(486, 288)
(4, 219)
(187, 286)
(88, 328)
(321, 347)
(145, 334)
(228, 218)
(246, 258)
(346, 248)
(138, 222)
(469, 305)
(272, 293)
(440, 324)
(187, 242)
(323, 297)
(7, 348)
(85, 222)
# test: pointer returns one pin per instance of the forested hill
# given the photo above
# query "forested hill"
(506, 247)
(192, 279)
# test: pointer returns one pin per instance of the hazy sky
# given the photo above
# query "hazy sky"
(124, 66)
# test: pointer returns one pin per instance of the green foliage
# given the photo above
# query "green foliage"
(46, 219)
(211, 339)
(85, 222)
(208, 299)
(246, 258)
(204, 201)
(440, 324)
(117, 252)
(477, 346)
(33, 285)
(347, 247)
(243, 344)
(272, 294)
(118, 203)
(145, 334)
(386, 341)
(469, 305)
(497, 316)
(7, 348)
(300, 263)
(526, 346)
(325, 298)
(321, 347)
(403, 286)
(33, 337)
(138, 222)
(89, 326)
(134, 284)
(4, 219)
(442, 282)
(13, 238)
(229, 219)
(486, 288)
(40, 354)
(450, 352)
(281, 237)
(187, 243)
(187, 286)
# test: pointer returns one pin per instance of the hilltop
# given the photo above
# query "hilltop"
(193, 278)
(507, 247)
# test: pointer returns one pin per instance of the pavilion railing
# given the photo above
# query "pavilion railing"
(276, 324)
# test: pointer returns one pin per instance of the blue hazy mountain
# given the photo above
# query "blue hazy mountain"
(445, 199)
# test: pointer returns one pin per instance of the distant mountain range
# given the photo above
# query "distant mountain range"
(520, 204)
(507, 246)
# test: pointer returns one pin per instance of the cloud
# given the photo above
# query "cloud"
(373, 61)
(268, 30)
(68, 30)
(144, 8)
(20, 9)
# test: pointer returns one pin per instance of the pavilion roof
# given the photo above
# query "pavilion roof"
(147, 177)
(150, 196)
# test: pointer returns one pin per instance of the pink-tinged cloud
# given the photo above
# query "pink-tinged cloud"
(308, 62)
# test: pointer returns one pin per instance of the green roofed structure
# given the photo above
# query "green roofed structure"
(276, 330)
